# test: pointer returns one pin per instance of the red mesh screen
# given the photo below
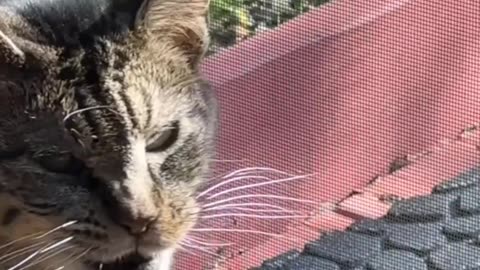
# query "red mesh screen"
(341, 92)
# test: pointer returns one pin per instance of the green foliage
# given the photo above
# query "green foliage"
(231, 20)
(229, 12)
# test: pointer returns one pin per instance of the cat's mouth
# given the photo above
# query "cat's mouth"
(133, 261)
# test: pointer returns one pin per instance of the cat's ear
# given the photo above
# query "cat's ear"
(182, 22)
(10, 52)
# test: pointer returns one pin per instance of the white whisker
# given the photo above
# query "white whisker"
(230, 181)
(253, 216)
(68, 258)
(65, 225)
(19, 252)
(76, 258)
(31, 256)
(259, 196)
(191, 239)
(88, 109)
(39, 235)
(203, 249)
(59, 243)
(240, 231)
(19, 239)
(227, 160)
(24, 261)
(271, 206)
(258, 185)
(41, 251)
(249, 169)
(47, 257)
(246, 209)
(183, 248)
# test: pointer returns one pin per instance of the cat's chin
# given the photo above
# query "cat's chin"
(136, 261)
(132, 261)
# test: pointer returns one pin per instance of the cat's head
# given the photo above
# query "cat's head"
(106, 128)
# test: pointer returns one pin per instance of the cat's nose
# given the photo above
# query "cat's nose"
(135, 215)
(137, 226)
(136, 220)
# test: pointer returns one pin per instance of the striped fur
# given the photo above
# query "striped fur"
(86, 88)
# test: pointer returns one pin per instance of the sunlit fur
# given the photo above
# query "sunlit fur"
(137, 69)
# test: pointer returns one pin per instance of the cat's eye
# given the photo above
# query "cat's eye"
(60, 163)
(167, 138)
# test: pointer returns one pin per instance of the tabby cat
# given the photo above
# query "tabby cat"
(106, 130)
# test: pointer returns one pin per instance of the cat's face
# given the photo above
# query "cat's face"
(103, 147)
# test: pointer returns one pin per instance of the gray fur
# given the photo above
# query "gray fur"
(79, 106)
